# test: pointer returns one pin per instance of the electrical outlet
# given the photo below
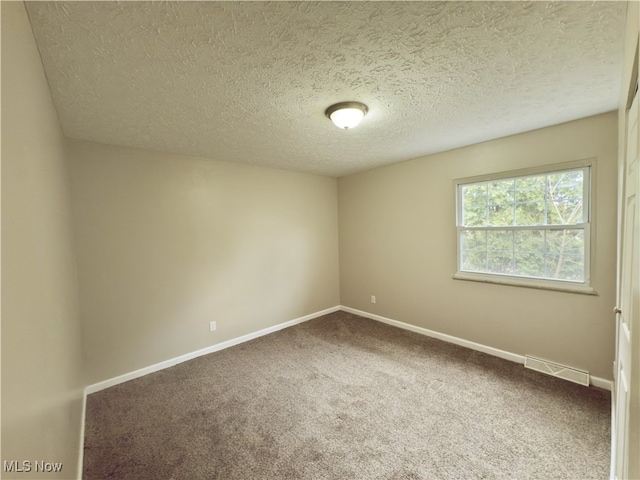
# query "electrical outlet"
(373, 299)
(212, 326)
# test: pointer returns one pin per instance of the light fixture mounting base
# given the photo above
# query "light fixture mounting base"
(341, 105)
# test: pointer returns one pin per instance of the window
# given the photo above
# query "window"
(526, 228)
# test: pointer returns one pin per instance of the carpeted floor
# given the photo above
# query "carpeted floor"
(343, 397)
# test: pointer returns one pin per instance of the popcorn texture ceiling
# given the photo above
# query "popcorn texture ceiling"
(249, 82)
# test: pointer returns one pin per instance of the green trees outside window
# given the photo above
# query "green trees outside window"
(533, 226)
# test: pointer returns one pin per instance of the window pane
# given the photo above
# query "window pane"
(530, 189)
(474, 195)
(565, 267)
(500, 196)
(500, 262)
(500, 191)
(474, 205)
(569, 181)
(530, 213)
(500, 251)
(564, 212)
(474, 240)
(475, 217)
(567, 241)
(564, 198)
(529, 241)
(544, 253)
(529, 264)
(501, 214)
(500, 240)
(474, 261)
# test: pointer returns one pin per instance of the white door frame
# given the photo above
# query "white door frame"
(625, 438)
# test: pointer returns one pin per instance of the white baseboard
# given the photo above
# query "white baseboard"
(602, 383)
(513, 357)
(440, 336)
(96, 387)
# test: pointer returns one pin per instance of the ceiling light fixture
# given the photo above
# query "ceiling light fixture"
(346, 114)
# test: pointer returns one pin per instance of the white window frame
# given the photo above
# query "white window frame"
(589, 167)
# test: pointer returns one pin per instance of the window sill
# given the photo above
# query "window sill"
(527, 283)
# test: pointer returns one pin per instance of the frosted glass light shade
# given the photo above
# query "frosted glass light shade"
(346, 115)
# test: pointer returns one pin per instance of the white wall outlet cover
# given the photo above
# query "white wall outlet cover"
(212, 326)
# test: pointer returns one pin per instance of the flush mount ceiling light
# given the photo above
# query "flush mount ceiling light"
(346, 114)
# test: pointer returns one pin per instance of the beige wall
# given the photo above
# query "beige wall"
(41, 354)
(167, 243)
(398, 242)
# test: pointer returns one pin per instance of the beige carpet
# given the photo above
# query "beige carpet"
(343, 397)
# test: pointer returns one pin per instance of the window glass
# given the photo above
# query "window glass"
(532, 226)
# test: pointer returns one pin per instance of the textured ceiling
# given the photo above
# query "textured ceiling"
(249, 82)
